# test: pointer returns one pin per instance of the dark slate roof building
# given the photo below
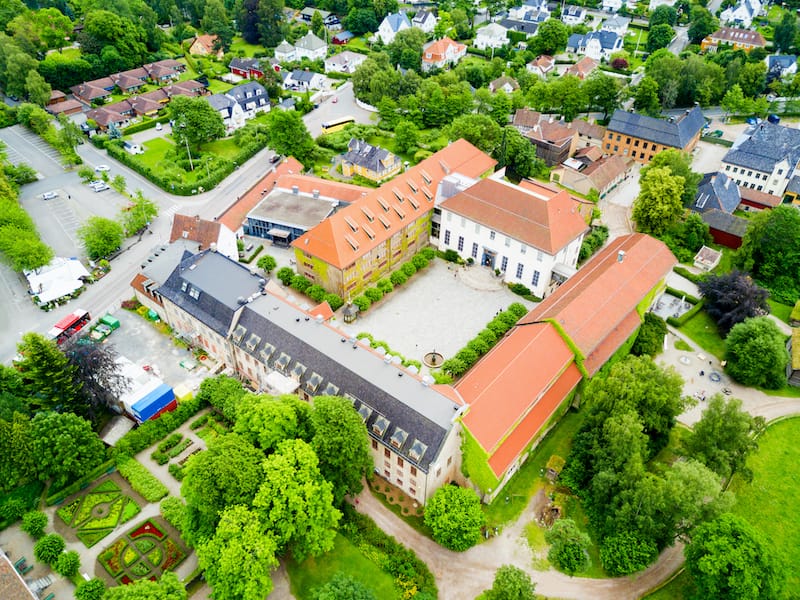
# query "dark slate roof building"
(726, 229)
(526, 27)
(251, 96)
(642, 137)
(716, 191)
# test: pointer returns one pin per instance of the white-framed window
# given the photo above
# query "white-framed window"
(504, 263)
(523, 248)
(491, 235)
(474, 250)
(520, 269)
(535, 279)
(447, 236)
(460, 243)
(508, 242)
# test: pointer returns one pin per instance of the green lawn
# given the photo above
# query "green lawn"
(225, 148)
(703, 332)
(679, 588)
(241, 48)
(781, 311)
(345, 557)
(215, 86)
(155, 151)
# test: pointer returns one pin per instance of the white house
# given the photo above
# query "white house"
(230, 110)
(491, 36)
(597, 45)
(392, 25)
(534, 9)
(252, 97)
(344, 62)
(780, 66)
(284, 52)
(573, 15)
(615, 5)
(311, 47)
(300, 81)
(541, 66)
(616, 24)
(531, 234)
(742, 14)
(424, 20)
(440, 53)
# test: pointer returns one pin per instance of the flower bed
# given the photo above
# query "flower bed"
(110, 558)
(147, 528)
(174, 555)
(95, 514)
(180, 448)
(67, 512)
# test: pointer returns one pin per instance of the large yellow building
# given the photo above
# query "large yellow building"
(641, 137)
(364, 241)
(373, 162)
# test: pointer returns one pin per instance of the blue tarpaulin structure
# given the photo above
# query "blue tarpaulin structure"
(153, 403)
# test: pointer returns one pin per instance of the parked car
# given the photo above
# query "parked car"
(274, 159)
(99, 186)
(159, 127)
(49, 195)
(102, 168)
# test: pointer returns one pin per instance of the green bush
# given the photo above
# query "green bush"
(334, 301)
(285, 275)
(48, 548)
(385, 286)
(428, 253)
(373, 294)
(90, 590)
(419, 261)
(650, 339)
(247, 260)
(174, 511)
(362, 302)
(409, 269)
(681, 321)
(33, 523)
(693, 277)
(316, 293)
(141, 480)
(451, 255)
(398, 278)
(68, 564)
(593, 242)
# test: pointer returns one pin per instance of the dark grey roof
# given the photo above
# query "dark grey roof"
(675, 134)
(358, 373)
(221, 284)
(609, 40)
(251, 92)
(716, 191)
(794, 185)
(767, 145)
(303, 76)
(366, 155)
(784, 61)
(722, 221)
(221, 102)
(521, 26)
(245, 63)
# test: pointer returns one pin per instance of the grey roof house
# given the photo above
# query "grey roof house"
(641, 137)
(716, 191)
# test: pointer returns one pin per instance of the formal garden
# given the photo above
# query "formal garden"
(95, 513)
(144, 552)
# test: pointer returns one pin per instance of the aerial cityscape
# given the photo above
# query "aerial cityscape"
(380, 300)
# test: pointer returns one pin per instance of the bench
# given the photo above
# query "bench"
(50, 596)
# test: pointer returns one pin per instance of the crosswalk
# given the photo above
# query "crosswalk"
(169, 212)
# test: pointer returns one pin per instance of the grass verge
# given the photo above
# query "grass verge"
(703, 332)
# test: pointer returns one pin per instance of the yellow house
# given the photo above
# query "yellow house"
(372, 162)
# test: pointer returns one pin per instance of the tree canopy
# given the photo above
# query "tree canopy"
(455, 517)
(511, 583)
(168, 587)
(568, 546)
(49, 377)
(756, 353)
(289, 136)
(658, 205)
(195, 122)
(101, 236)
(679, 163)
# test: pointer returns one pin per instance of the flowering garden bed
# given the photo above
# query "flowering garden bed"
(97, 512)
(144, 552)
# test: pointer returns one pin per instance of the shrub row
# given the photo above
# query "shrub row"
(373, 343)
(141, 480)
(593, 242)
(198, 423)
(149, 432)
(176, 471)
(483, 342)
(305, 286)
(693, 277)
(388, 553)
(680, 293)
(522, 290)
(145, 125)
(173, 510)
(247, 260)
(384, 286)
(681, 321)
(76, 486)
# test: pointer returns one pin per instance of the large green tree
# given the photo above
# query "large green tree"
(101, 236)
(226, 474)
(568, 546)
(680, 164)
(223, 393)
(551, 37)
(265, 421)
(785, 36)
(728, 559)
(240, 557)
(645, 97)
(511, 583)
(479, 130)
(702, 23)
(17, 464)
(65, 446)
(139, 214)
(271, 24)
(168, 587)
(455, 517)
(341, 445)
(217, 22)
(756, 353)
(48, 374)
(724, 437)
(295, 503)
(659, 37)
(658, 205)
(196, 122)
(289, 136)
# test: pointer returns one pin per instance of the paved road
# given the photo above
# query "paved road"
(345, 106)
(680, 41)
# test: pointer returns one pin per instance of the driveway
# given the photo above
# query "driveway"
(616, 206)
(344, 106)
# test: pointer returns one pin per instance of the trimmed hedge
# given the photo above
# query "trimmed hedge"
(149, 432)
(173, 510)
(681, 321)
(373, 343)
(58, 496)
(141, 480)
(680, 293)
(144, 125)
(694, 278)
(374, 294)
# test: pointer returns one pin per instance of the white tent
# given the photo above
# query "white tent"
(59, 278)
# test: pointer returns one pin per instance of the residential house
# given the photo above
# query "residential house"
(373, 162)
(311, 47)
(753, 200)
(442, 53)
(252, 97)
(725, 229)
(583, 174)
(229, 109)
(164, 71)
(206, 234)
(330, 20)
(520, 388)
(204, 45)
(527, 235)
(529, 27)
(249, 68)
(780, 66)
(764, 158)
(299, 80)
(738, 39)
(542, 66)
(573, 15)
(642, 137)
(93, 92)
(582, 69)
(344, 62)
(716, 191)
(130, 81)
(554, 140)
(366, 240)
(424, 20)
(742, 14)
(280, 348)
(616, 24)
(342, 38)
(391, 25)
(535, 11)
(491, 36)
(589, 134)
(615, 5)
(67, 107)
(105, 118)
(285, 52)
(505, 83)
(598, 45)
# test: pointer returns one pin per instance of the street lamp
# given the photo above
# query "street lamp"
(186, 139)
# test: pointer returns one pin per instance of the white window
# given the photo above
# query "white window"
(539, 255)
(477, 227)
(508, 242)
(522, 249)
(491, 235)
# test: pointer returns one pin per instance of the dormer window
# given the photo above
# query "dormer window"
(194, 293)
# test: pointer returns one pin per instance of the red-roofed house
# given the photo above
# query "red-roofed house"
(205, 233)
(520, 387)
(362, 242)
(533, 237)
(203, 45)
(441, 53)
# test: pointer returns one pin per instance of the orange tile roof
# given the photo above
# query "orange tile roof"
(544, 219)
(195, 229)
(582, 68)
(323, 310)
(595, 307)
(326, 188)
(511, 380)
(438, 49)
(388, 209)
(236, 213)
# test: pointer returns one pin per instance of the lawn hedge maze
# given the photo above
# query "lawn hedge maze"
(97, 512)
(144, 552)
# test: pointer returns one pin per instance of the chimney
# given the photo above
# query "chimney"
(213, 247)
(620, 256)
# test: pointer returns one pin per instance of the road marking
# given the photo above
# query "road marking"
(171, 210)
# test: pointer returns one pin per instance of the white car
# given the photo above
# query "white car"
(159, 127)
(49, 195)
(99, 186)
(102, 168)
